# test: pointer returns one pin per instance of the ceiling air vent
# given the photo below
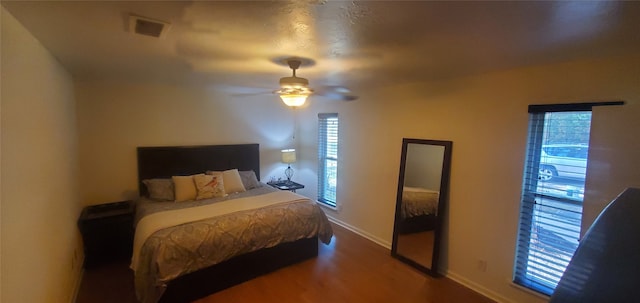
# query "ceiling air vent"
(148, 26)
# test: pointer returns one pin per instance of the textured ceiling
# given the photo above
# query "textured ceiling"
(234, 44)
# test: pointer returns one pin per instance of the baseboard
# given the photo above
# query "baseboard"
(451, 275)
(477, 287)
(360, 232)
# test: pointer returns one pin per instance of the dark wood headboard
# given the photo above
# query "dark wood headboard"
(167, 161)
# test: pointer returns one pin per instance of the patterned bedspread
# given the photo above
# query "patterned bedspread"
(418, 201)
(178, 250)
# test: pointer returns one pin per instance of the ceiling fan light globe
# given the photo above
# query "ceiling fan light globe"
(293, 100)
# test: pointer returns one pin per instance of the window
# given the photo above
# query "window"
(552, 193)
(327, 158)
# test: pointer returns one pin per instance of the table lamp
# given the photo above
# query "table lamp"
(288, 156)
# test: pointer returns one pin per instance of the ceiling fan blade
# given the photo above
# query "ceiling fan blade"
(242, 91)
(336, 92)
(265, 93)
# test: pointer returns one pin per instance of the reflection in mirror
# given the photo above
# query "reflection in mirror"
(422, 192)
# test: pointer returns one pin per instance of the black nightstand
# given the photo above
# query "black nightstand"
(107, 232)
(286, 185)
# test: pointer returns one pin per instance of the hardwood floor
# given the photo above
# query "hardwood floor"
(350, 269)
(417, 246)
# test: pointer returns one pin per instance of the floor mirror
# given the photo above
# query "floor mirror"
(423, 184)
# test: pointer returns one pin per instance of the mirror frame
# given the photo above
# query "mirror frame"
(442, 201)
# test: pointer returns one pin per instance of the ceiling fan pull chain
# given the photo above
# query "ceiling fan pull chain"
(295, 125)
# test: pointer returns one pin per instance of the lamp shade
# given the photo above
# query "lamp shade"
(289, 155)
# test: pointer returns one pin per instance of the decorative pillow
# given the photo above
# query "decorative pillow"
(209, 186)
(160, 189)
(185, 188)
(231, 179)
(249, 179)
(214, 173)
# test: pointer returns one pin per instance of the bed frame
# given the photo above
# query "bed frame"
(417, 224)
(167, 161)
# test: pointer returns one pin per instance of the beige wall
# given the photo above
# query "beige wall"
(485, 117)
(39, 172)
(115, 118)
(423, 167)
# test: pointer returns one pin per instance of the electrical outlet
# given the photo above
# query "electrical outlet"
(482, 265)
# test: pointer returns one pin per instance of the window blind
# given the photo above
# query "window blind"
(552, 193)
(327, 158)
(550, 214)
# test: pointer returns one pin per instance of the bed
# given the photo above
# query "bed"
(187, 250)
(418, 209)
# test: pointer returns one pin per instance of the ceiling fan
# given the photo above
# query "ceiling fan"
(294, 90)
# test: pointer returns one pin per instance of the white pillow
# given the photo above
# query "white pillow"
(185, 188)
(231, 179)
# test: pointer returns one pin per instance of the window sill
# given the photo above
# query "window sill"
(530, 291)
(327, 206)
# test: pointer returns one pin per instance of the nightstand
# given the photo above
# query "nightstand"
(107, 232)
(286, 185)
